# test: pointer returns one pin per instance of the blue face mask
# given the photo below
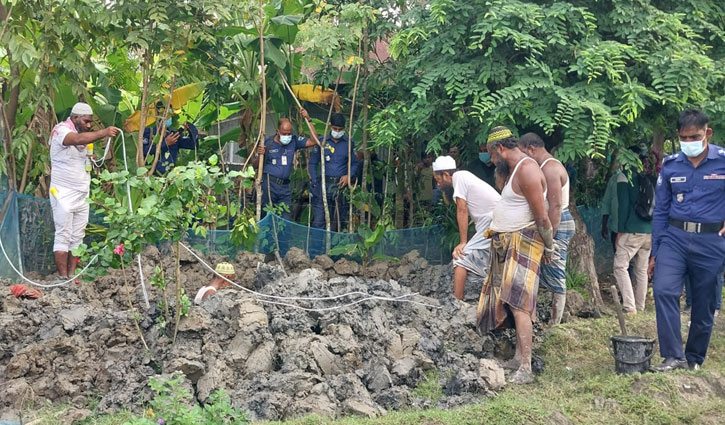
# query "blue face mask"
(692, 149)
(485, 157)
(168, 123)
(285, 140)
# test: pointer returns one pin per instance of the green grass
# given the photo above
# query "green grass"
(429, 387)
(579, 382)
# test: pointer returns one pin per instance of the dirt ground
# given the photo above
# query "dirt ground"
(78, 342)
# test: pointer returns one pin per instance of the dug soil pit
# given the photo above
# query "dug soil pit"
(357, 354)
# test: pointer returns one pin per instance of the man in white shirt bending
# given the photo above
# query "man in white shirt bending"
(474, 198)
(70, 182)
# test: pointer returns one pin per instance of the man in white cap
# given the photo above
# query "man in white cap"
(476, 199)
(70, 181)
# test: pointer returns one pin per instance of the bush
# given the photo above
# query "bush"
(174, 405)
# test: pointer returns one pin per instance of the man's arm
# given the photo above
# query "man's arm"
(191, 142)
(313, 140)
(624, 207)
(529, 181)
(80, 139)
(607, 206)
(462, 219)
(553, 195)
(661, 215)
(312, 163)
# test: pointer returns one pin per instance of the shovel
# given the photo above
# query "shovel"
(620, 312)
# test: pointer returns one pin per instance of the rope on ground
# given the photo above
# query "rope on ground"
(259, 295)
(45, 285)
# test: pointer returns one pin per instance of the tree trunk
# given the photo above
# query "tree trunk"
(263, 118)
(581, 255)
(400, 193)
(658, 141)
(366, 154)
(140, 160)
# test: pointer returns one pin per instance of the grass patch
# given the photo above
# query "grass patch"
(430, 387)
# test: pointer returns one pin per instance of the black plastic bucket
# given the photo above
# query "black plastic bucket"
(631, 353)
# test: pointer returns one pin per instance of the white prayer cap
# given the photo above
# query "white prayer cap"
(81, 108)
(444, 163)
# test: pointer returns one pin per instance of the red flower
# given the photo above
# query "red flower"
(118, 250)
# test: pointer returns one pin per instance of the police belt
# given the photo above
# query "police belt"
(332, 179)
(276, 180)
(692, 227)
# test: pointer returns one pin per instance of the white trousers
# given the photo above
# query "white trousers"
(70, 215)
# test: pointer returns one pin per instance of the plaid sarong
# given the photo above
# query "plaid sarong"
(513, 278)
(553, 274)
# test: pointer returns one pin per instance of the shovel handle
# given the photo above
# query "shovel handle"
(620, 313)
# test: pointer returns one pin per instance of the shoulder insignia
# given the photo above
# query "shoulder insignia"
(669, 158)
(721, 151)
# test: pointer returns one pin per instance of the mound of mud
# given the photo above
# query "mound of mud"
(79, 342)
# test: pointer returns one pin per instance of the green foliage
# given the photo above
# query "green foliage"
(157, 280)
(164, 209)
(331, 37)
(576, 280)
(185, 304)
(174, 404)
(590, 76)
(429, 387)
(366, 247)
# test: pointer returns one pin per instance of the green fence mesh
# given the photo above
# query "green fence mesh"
(27, 236)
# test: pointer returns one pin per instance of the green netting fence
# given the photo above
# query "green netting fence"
(27, 235)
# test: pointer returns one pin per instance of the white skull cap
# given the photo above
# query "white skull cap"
(81, 108)
(444, 163)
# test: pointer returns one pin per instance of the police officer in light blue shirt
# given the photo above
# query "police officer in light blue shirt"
(337, 146)
(279, 152)
(687, 240)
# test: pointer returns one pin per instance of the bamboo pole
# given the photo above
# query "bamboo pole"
(349, 144)
(263, 118)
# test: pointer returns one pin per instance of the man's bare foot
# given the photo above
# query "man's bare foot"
(522, 376)
(511, 364)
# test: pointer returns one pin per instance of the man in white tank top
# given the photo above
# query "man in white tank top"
(521, 235)
(553, 274)
(474, 198)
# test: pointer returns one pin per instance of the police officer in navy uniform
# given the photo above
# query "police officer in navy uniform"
(186, 138)
(336, 176)
(687, 240)
(279, 151)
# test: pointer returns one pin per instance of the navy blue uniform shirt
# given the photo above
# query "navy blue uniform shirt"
(335, 159)
(169, 154)
(687, 193)
(278, 158)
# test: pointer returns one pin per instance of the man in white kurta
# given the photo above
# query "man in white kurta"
(475, 199)
(70, 181)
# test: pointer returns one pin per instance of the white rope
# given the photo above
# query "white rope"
(45, 285)
(130, 210)
(367, 296)
(100, 163)
(372, 297)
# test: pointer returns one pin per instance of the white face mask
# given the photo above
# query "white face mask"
(285, 140)
(337, 134)
(692, 149)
